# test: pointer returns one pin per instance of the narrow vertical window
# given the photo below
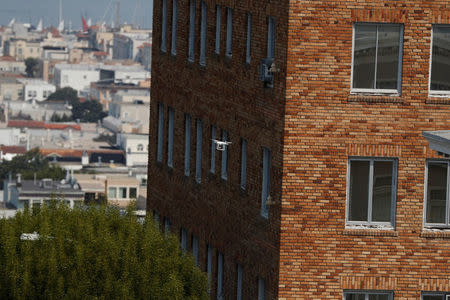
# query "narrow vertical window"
(195, 249)
(219, 275)
(159, 150)
(164, 26)
(239, 282)
(243, 163)
(265, 182)
(218, 24)
(229, 41)
(166, 225)
(439, 79)
(270, 37)
(249, 39)
(437, 195)
(183, 239)
(261, 289)
(198, 153)
(203, 34)
(224, 171)
(212, 170)
(209, 258)
(170, 130)
(156, 217)
(174, 26)
(191, 30)
(187, 145)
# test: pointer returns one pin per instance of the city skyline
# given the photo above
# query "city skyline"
(135, 11)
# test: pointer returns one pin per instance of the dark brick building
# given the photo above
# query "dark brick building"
(329, 189)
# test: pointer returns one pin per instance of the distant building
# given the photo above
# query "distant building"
(104, 91)
(36, 89)
(126, 45)
(78, 77)
(122, 190)
(123, 74)
(144, 55)
(10, 89)
(135, 147)
(10, 64)
(10, 136)
(29, 193)
(9, 152)
(22, 49)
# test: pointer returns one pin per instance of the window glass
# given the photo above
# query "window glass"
(224, 171)
(159, 154)
(213, 150)
(164, 25)
(440, 61)
(112, 192)
(382, 191)
(191, 30)
(187, 145)
(123, 192)
(229, 44)
(249, 38)
(170, 131)
(203, 34)
(436, 193)
(376, 57)
(198, 152)
(265, 191)
(133, 193)
(359, 190)
(379, 297)
(355, 296)
(174, 26)
(218, 24)
(437, 297)
(270, 37)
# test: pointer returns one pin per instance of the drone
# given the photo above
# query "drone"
(221, 145)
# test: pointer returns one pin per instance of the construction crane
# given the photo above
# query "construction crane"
(118, 14)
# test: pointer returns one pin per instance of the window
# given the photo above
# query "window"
(195, 249)
(439, 79)
(198, 153)
(191, 30)
(436, 296)
(224, 171)
(219, 275)
(159, 151)
(187, 145)
(261, 289)
(243, 163)
(249, 38)
(133, 193)
(212, 170)
(229, 41)
(183, 239)
(112, 192)
(437, 212)
(156, 217)
(164, 26)
(377, 58)
(140, 147)
(363, 295)
(209, 265)
(239, 282)
(123, 192)
(173, 49)
(203, 34)
(218, 24)
(371, 191)
(270, 37)
(170, 130)
(265, 191)
(166, 225)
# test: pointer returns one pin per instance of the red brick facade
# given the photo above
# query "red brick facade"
(312, 124)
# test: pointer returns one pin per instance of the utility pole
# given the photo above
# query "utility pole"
(118, 14)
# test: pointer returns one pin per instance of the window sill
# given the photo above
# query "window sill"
(443, 233)
(369, 231)
(374, 98)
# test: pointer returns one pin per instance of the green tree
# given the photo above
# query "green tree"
(88, 111)
(65, 94)
(94, 253)
(32, 66)
(29, 164)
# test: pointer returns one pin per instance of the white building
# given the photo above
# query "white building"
(10, 136)
(136, 148)
(124, 74)
(36, 89)
(78, 77)
(126, 44)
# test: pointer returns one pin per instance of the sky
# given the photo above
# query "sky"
(26, 11)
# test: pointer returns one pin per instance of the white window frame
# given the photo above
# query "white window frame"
(229, 40)
(368, 293)
(261, 288)
(218, 25)
(212, 169)
(265, 188)
(198, 152)
(369, 223)
(243, 163)
(173, 49)
(447, 212)
(271, 25)
(239, 280)
(187, 144)
(393, 92)
(164, 26)
(159, 151)
(191, 41)
(219, 275)
(184, 240)
(224, 169)
(170, 135)
(431, 92)
(444, 295)
(195, 249)
(248, 50)
(203, 24)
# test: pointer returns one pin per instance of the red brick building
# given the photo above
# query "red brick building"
(329, 189)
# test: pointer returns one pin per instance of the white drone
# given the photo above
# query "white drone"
(221, 145)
